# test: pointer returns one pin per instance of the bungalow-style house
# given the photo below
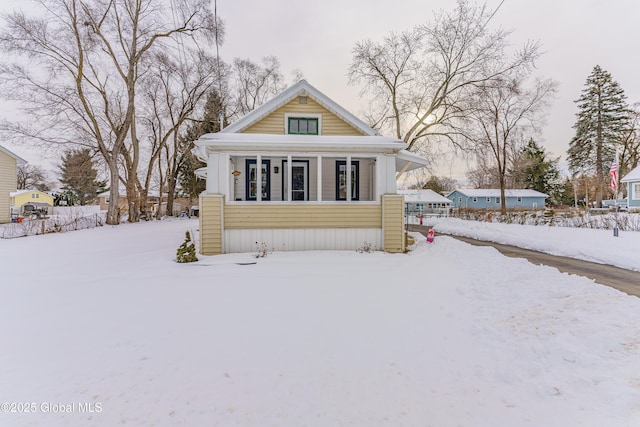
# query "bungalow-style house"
(632, 181)
(425, 202)
(490, 199)
(8, 181)
(301, 173)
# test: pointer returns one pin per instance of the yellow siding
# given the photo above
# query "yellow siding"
(211, 224)
(27, 197)
(275, 122)
(393, 218)
(246, 216)
(7, 185)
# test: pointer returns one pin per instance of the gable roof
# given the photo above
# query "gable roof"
(423, 196)
(19, 160)
(634, 175)
(495, 192)
(302, 88)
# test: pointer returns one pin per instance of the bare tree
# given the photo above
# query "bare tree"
(630, 155)
(32, 177)
(85, 59)
(420, 80)
(177, 89)
(503, 113)
(255, 83)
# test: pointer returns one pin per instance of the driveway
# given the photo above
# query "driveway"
(627, 281)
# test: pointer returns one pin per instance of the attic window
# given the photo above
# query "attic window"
(302, 100)
(303, 126)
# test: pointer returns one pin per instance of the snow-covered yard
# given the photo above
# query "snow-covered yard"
(102, 328)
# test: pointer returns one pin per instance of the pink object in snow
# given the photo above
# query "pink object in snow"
(431, 235)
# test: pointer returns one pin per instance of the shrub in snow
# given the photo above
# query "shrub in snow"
(187, 250)
(367, 247)
(262, 250)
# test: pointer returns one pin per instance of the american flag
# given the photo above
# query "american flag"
(613, 172)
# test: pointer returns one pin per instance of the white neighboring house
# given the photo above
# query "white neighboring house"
(425, 203)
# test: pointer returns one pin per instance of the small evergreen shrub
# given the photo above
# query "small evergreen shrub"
(187, 250)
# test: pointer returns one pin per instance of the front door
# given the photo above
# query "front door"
(299, 180)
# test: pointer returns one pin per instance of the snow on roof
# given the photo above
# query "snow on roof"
(423, 196)
(19, 160)
(302, 88)
(634, 175)
(17, 193)
(495, 192)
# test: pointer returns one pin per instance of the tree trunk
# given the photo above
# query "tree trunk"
(113, 212)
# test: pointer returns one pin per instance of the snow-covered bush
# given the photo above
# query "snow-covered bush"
(187, 250)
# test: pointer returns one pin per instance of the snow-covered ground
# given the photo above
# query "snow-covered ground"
(102, 328)
(594, 245)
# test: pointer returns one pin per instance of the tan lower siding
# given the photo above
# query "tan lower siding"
(248, 216)
(393, 219)
(211, 224)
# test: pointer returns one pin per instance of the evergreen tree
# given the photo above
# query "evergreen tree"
(187, 250)
(79, 177)
(531, 169)
(191, 185)
(603, 120)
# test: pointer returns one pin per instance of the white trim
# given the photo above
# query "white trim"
(258, 178)
(635, 190)
(348, 177)
(319, 178)
(287, 116)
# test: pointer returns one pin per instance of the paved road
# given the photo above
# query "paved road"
(627, 281)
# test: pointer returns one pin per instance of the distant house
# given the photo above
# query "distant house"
(301, 173)
(8, 181)
(22, 197)
(490, 199)
(425, 202)
(632, 181)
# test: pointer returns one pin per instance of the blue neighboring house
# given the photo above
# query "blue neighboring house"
(632, 180)
(490, 199)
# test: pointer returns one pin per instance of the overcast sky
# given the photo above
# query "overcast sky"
(317, 38)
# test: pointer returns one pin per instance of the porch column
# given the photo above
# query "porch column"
(385, 175)
(213, 174)
(348, 172)
(258, 178)
(289, 179)
(319, 178)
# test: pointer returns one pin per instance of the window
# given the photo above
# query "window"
(635, 191)
(519, 199)
(341, 180)
(498, 200)
(251, 183)
(35, 196)
(303, 126)
(488, 199)
(474, 200)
